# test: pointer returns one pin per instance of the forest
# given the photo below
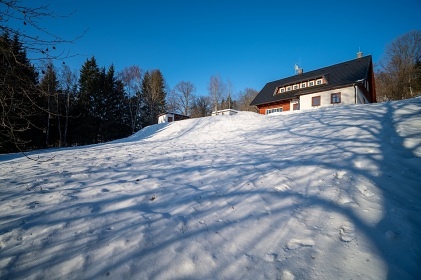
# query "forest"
(59, 107)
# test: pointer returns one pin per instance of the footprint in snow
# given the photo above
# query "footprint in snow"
(299, 243)
(346, 232)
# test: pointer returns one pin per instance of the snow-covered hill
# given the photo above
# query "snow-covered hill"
(333, 193)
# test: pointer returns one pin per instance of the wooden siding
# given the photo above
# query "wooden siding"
(285, 104)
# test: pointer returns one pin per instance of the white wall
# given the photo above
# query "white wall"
(347, 97)
(164, 118)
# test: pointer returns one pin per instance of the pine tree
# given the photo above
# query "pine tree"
(18, 95)
(88, 109)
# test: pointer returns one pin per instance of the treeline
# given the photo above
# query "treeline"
(183, 99)
(58, 107)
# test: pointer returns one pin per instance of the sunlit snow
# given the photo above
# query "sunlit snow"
(333, 193)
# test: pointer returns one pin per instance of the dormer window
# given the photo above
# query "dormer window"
(311, 83)
(289, 88)
(319, 81)
(303, 85)
(281, 90)
(295, 87)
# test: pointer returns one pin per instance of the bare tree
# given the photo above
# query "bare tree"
(68, 83)
(399, 76)
(244, 99)
(26, 21)
(185, 96)
(132, 79)
(172, 103)
(201, 107)
(216, 91)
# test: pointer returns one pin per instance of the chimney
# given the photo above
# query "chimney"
(300, 71)
(359, 54)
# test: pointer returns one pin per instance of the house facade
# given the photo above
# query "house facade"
(350, 82)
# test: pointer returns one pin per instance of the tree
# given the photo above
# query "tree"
(25, 21)
(102, 110)
(21, 99)
(229, 103)
(216, 91)
(132, 80)
(68, 84)
(49, 89)
(399, 75)
(18, 94)
(154, 94)
(184, 96)
(201, 107)
(244, 99)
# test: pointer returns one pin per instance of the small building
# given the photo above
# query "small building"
(350, 82)
(171, 117)
(225, 112)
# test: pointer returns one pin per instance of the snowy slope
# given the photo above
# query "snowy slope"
(333, 193)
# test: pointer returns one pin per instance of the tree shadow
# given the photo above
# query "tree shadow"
(216, 214)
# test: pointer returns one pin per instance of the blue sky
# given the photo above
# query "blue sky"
(246, 42)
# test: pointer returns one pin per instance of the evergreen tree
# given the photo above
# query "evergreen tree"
(18, 96)
(115, 124)
(101, 104)
(87, 126)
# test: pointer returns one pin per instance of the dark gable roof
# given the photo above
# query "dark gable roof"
(338, 75)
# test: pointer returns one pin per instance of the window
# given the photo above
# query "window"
(274, 110)
(282, 90)
(303, 85)
(335, 98)
(288, 88)
(315, 101)
(311, 83)
(295, 86)
(296, 106)
(319, 82)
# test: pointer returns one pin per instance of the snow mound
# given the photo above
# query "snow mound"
(323, 194)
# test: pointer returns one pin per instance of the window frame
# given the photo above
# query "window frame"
(313, 104)
(274, 110)
(335, 95)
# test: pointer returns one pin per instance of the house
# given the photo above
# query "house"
(171, 117)
(350, 82)
(225, 112)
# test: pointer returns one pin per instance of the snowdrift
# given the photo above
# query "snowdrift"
(332, 193)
